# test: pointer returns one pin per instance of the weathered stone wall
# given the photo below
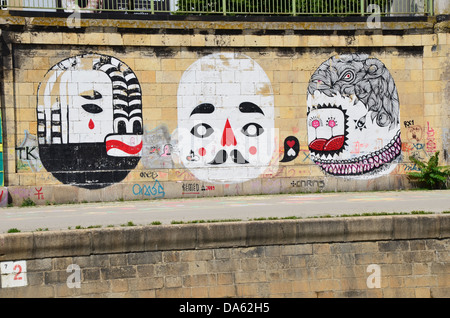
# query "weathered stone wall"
(57, 150)
(376, 257)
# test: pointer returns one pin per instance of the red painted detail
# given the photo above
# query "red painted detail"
(332, 144)
(131, 150)
(228, 138)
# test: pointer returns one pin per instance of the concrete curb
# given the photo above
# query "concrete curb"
(38, 245)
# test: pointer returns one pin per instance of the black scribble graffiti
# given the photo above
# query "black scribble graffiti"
(158, 149)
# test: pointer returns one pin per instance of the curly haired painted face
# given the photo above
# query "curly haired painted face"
(353, 117)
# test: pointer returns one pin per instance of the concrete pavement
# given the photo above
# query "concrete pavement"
(61, 217)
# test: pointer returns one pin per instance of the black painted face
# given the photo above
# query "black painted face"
(90, 125)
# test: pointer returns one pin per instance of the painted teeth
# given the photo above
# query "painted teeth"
(363, 164)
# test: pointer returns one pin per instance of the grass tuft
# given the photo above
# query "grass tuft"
(28, 202)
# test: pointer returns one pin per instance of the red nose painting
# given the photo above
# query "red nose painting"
(332, 144)
(228, 138)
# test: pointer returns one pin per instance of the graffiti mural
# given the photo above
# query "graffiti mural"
(225, 119)
(157, 149)
(27, 154)
(291, 149)
(89, 116)
(353, 117)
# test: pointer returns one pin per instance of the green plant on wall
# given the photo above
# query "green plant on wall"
(431, 174)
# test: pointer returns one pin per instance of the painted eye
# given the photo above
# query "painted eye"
(315, 122)
(91, 95)
(202, 130)
(92, 108)
(252, 130)
(331, 122)
(348, 76)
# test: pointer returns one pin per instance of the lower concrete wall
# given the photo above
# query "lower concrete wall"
(382, 256)
(62, 194)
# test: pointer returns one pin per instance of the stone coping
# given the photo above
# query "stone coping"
(184, 23)
(38, 245)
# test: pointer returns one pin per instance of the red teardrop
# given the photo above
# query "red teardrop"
(91, 124)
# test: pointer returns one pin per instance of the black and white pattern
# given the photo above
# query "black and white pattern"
(89, 116)
(353, 116)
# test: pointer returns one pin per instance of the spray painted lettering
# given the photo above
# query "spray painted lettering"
(431, 140)
(308, 183)
(154, 191)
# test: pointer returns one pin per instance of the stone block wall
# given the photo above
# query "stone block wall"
(70, 136)
(370, 257)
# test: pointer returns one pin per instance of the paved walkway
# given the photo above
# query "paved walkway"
(61, 217)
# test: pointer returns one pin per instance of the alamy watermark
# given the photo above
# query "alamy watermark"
(373, 21)
(74, 279)
(374, 279)
(74, 20)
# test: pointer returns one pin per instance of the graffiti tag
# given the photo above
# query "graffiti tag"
(155, 191)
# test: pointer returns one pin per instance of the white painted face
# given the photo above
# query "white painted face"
(90, 105)
(353, 117)
(225, 118)
(343, 129)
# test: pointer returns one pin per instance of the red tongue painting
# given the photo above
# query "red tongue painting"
(332, 144)
(127, 149)
(124, 145)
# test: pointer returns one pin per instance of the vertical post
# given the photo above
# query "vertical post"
(152, 6)
(224, 7)
(59, 7)
(294, 9)
(362, 8)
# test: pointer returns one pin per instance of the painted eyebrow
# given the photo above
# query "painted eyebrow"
(248, 107)
(203, 108)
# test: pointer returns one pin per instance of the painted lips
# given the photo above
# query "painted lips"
(124, 145)
(324, 145)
